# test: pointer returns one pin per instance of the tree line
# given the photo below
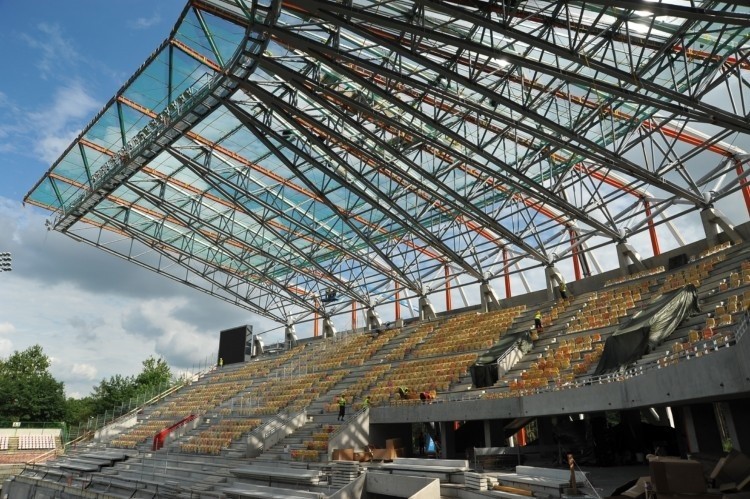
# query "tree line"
(28, 392)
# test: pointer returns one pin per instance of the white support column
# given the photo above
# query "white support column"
(489, 298)
(329, 330)
(290, 335)
(553, 278)
(373, 319)
(627, 255)
(426, 310)
(712, 220)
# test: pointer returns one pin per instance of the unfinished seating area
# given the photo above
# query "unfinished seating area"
(423, 375)
(607, 308)
(693, 274)
(468, 332)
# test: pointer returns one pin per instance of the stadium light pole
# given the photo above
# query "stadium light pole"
(5, 262)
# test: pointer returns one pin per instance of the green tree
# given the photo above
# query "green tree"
(28, 392)
(78, 410)
(155, 372)
(112, 393)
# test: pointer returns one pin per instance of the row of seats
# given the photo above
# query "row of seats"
(140, 433)
(28, 442)
(635, 276)
(603, 309)
(219, 436)
(693, 274)
(468, 332)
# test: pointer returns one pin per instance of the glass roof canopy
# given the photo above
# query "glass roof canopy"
(271, 150)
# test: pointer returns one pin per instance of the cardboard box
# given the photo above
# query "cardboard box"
(638, 491)
(346, 454)
(383, 454)
(733, 468)
(393, 443)
(672, 475)
(336, 455)
(704, 495)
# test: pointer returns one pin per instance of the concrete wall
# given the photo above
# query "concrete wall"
(112, 430)
(257, 442)
(356, 434)
(404, 486)
(355, 490)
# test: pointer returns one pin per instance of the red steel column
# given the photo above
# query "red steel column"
(447, 288)
(398, 306)
(576, 262)
(354, 316)
(507, 274)
(651, 228)
(743, 183)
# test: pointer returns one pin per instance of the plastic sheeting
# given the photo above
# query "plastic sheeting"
(648, 328)
(489, 367)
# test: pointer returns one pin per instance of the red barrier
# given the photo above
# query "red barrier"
(160, 437)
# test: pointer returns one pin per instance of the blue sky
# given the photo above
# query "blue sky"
(93, 313)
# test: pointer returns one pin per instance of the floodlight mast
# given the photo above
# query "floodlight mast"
(5, 262)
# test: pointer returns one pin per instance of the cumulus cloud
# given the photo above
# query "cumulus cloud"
(84, 371)
(89, 308)
(55, 50)
(145, 22)
(58, 124)
(6, 347)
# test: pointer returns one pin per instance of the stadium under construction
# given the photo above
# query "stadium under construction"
(504, 232)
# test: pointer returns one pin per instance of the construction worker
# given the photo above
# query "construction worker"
(366, 403)
(563, 290)
(342, 408)
(538, 321)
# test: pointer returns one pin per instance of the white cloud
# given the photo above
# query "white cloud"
(145, 22)
(56, 51)
(7, 328)
(97, 315)
(85, 371)
(58, 124)
(6, 347)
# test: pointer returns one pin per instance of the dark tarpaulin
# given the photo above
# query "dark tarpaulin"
(648, 328)
(485, 371)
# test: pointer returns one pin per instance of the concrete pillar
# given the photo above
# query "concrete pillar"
(688, 426)
(447, 440)
(739, 412)
(489, 298)
(706, 428)
(487, 433)
(290, 335)
(552, 276)
(373, 319)
(712, 220)
(627, 255)
(426, 310)
(329, 330)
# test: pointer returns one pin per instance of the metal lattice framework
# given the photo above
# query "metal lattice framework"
(270, 150)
